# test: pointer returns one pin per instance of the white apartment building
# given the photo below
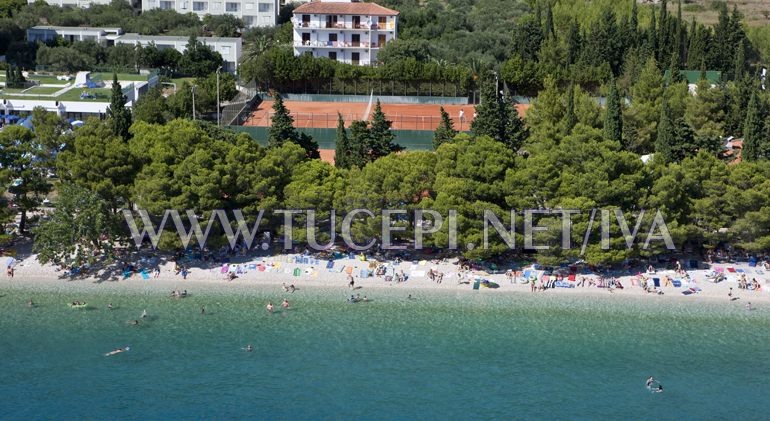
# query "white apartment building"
(348, 31)
(252, 12)
(229, 48)
(72, 34)
(73, 3)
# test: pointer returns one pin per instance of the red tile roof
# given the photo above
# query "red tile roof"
(335, 8)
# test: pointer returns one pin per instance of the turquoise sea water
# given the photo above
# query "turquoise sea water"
(438, 356)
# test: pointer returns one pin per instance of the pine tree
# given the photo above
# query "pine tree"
(613, 116)
(516, 133)
(445, 131)
(381, 138)
(119, 116)
(569, 116)
(281, 124)
(664, 143)
(342, 145)
(754, 143)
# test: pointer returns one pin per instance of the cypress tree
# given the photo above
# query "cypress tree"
(119, 116)
(281, 124)
(381, 138)
(740, 61)
(487, 120)
(445, 131)
(633, 24)
(359, 139)
(664, 143)
(652, 35)
(613, 116)
(675, 74)
(342, 145)
(516, 133)
(549, 30)
(754, 146)
(573, 42)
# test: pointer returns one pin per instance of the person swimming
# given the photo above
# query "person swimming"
(109, 306)
(203, 310)
(144, 314)
(658, 389)
(134, 322)
(285, 303)
(117, 351)
(269, 307)
(650, 381)
(249, 348)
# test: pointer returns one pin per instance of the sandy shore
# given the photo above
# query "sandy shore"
(314, 275)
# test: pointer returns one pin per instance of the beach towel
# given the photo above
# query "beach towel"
(423, 263)
(145, 275)
(364, 273)
(571, 277)
(225, 268)
(253, 266)
(677, 283)
(656, 282)
(731, 270)
(739, 270)
(233, 268)
(719, 270)
(329, 264)
(759, 272)
(349, 270)
(526, 275)
(262, 268)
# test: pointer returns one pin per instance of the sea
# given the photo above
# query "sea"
(435, 356)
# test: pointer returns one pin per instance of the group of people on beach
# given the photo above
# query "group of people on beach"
(435, 276)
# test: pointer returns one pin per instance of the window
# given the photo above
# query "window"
(167, 5)
(232, 7)
(265, 7)
(333, 37)
(200, 6)
(381, 21)
(305, 38)
(249, 6)
(225, 50)
(333, 55)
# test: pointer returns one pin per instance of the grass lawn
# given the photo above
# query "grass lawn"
(42, 90)
(102, 95)
(11, 90)
(49, 80)
(107, 77)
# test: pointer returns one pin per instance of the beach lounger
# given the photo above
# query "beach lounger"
(126, 274)
(329, 264)
(297, 271)
(739, 270)
(253, 266)
(423, 263)
(677, 283)
(145, 275)
(656, 282)
(363, 273)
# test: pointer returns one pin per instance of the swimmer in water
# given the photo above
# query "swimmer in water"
(30, 303)
(203, 310)
(109, 306)
(144, 314)
(749, 307)
(117, 351)
(285, 303)
(134, 322)
(650, 381)
(249, 348)
(658, 389)
(269, 307)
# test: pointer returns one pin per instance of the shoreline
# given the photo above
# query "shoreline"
(30, 274)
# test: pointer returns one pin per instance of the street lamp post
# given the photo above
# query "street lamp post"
(193, 97)
(218, 69)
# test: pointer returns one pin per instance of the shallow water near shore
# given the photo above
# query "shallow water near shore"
(440, 355)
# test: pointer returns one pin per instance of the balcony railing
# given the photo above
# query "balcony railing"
(364, 26)
(336, 44)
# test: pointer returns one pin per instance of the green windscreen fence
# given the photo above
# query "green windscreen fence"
(414, 140)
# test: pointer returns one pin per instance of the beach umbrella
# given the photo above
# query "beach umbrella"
(77, 123)
(11, 117)
(8, 261)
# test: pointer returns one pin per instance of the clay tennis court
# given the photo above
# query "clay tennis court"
(403, 116)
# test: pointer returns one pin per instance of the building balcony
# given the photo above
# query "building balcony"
(336, 44)
(365, 26)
